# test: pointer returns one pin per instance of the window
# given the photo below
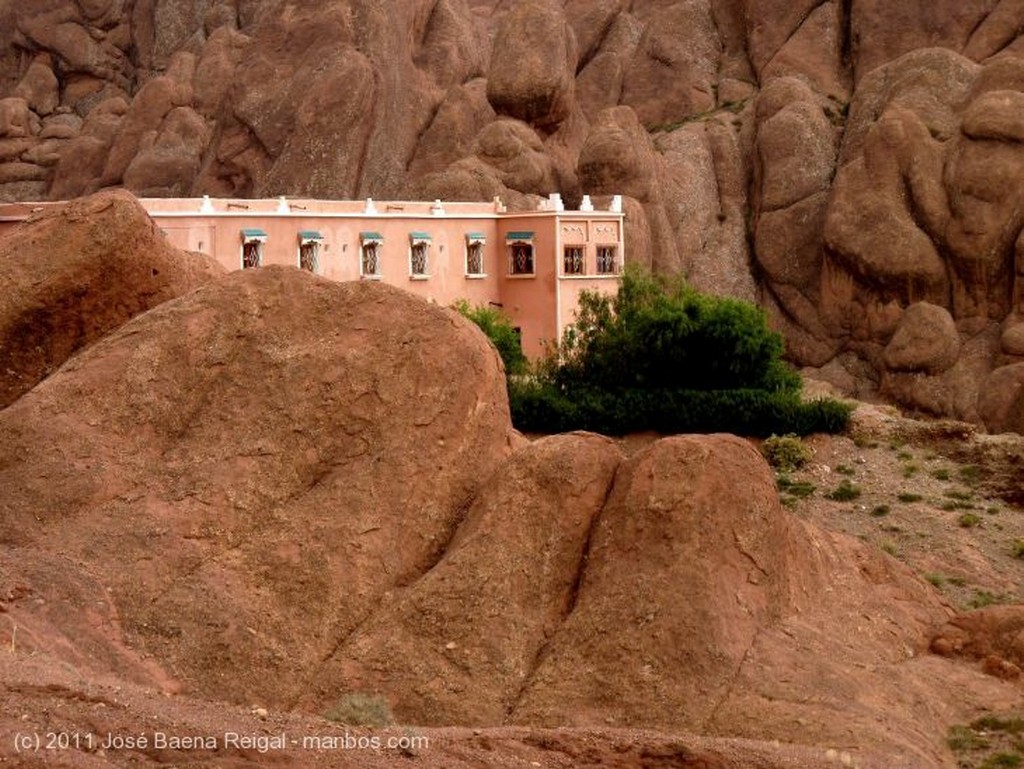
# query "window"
(419, 248)
(606, 263)
(309, 250)
(369, 254)
(475, 253)
(252, 248)
(520, 253)
(572, 261)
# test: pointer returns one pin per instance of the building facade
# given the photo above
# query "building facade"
(531, 265)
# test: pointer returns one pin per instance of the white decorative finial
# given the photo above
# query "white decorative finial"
(282, 205)
(206, 207)
(370, 207)
(556, 202)
(616, 204)
(437, 209)
(586, 205)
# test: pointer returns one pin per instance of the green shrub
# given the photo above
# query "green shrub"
(499, 329)
(359, 709)
(969, 520)
(844, 492)
(538, 406)
(798, 489)
(660, 356)
(785, 453)
(1018, 548)
(880, 511)
(908, 497)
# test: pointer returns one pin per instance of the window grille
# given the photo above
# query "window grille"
(572, 261)
(606, 264)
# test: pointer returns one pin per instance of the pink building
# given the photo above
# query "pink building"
(531, 265)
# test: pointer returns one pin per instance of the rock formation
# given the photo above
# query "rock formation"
(839, 162)
(73, 275)
(272, 490)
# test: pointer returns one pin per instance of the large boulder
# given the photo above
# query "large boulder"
(926, 339)
(533, 64)
(76, 273)
(459, 645)
(251, 468)
(1001, 401)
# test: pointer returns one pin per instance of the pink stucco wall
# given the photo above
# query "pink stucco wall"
(541, 304)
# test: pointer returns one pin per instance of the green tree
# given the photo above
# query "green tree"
(660, 355)
(499, 329)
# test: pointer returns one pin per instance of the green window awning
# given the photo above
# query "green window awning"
(419, 235)
(471, 236)
(310, 235)
(519, 236)
(253, 233)
(367, 235)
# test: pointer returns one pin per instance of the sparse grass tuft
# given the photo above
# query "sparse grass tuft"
(938, 580)
(983, 598)
(969, 520)
(845, 470)
(962, 496)
(844, 492)
(799, 489)
(908, 497)
(942, 474)
(970, 474)
(879, 511)
(911, 469)
(1011, 725)
(890, 548)
(359, 709)
(1003, 761)
(962, 739)
(1018, 548)
(904, 456)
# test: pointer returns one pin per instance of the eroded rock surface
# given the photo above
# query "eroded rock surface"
(838, 162)
(74, 274)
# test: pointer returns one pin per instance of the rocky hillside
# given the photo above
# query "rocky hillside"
(854, 165)
(267, 497)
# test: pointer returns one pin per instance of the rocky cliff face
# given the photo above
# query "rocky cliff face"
(855, 166)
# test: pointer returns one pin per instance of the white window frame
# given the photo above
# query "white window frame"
(378, 244)
(424, 243)
(316, 243)
(251, 240)
(472, 243)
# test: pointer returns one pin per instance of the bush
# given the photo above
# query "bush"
(785, 453)
(358, 709)
(499, 329)
(844, 492)
(660, 356)
(540, 407)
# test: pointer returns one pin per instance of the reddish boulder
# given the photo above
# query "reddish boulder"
(658, 642)
(533, 64)
(926, 339)
(274, 451)
(76, 273)
(459, 645)
(672, 73)
(39, 87)
(1001, 401)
